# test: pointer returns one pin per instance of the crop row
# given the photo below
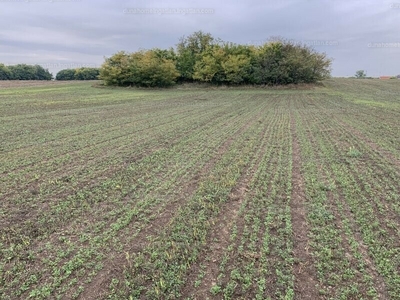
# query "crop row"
(133, 197)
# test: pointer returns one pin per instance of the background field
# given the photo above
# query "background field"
(191, 193)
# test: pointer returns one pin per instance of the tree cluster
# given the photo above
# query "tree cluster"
(24, 72)
(202, 58)
(78, 74)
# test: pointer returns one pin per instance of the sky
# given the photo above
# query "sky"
(60, 34)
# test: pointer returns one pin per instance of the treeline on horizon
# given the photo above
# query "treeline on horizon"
(83, 73)
(202, 58)
(24, 72)
(37, 72)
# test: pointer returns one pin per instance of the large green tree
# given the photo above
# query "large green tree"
(190, 50)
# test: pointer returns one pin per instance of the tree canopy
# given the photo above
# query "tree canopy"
(24, 72)
(5, 73)
(78, 74)
(201, 57)
(151, 68)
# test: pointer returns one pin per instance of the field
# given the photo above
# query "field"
(194, 193)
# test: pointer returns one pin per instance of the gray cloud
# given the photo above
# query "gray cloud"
(71, 33)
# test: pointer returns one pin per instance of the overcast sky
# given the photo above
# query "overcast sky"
(59, 34)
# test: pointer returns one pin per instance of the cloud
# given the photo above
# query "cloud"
(56, 33)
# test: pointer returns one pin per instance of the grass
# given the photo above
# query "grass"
(189, 193)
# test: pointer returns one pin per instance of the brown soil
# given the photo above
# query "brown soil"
(31, 83)
(305, 282)
(217, 242)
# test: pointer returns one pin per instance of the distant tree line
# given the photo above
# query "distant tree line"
(202, 58)
(78, 74)
(24, 72)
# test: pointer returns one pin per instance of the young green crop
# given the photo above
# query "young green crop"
(116, 193)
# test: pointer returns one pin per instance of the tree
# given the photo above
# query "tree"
(237, 63)
(86, 73)
(78, 74)
(222, 64)
(150, 68)
(22, 72)
(66, 74)
(360, 74)
(29, 72)
(236, 68)
(284, 62)
(200, 57)
(189, 50)
(42, 74)
(168, 54)
(115, 69)
(5, 73)
(208, 67)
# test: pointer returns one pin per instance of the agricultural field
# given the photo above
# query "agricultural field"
(196, 193)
